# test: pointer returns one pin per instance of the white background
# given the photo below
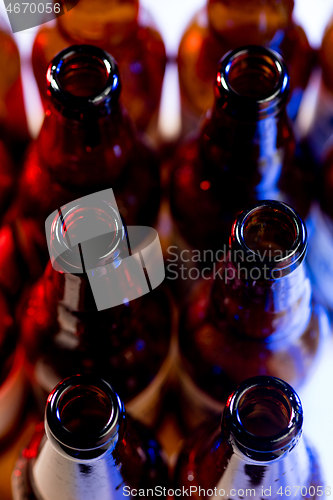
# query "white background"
(172, 17)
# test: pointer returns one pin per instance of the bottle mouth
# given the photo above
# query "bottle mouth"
(87, 234)
(264, 417)
(271, 236)
(83, 417)
(81, 79)
(252, 80)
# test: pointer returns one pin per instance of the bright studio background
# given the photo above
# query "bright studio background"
(171, 17)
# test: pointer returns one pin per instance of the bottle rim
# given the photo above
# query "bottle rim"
(73, 443)
(275, 396)
(105, 83)
(293, 234)
(271, 67)
(109, 248)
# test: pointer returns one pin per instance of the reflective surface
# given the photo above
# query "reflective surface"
(254, 316)
(244, 151)
(238, 458)
(117, 451)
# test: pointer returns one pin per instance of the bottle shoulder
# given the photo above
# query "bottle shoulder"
(227, 355)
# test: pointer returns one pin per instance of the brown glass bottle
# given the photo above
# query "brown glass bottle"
(319, 136)
(13, 123)
(244, 151)
(222, 26)
(13, 383)
(119, 28)
(86, 144)
(257, 451)
(255, 316)
(64, 331)
(89, 450)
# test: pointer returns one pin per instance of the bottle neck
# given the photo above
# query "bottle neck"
(267, 145)
(87, 240)
(240, 22)
(79, 153)
(84, 424)
(264, 291)
(263, 478)
(85, 129)
(251, 92)
(78, 479)
(264, 309)
(103, 23)
(262, 425)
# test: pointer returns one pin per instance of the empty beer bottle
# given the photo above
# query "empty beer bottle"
(255, 315)
(258, 450)
(119, 27)
(86, 144)
(89, 449)
(245, 151)
(222, 26)
(92, 312)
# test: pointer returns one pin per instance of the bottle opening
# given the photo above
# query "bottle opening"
(270, 231)
(87, 234)
(269, 236)
(252, 83)
(254, 75)
(83, 417)
(264, 417)
(84, 223)
(83, 82)
(84, 411)
(83, 76)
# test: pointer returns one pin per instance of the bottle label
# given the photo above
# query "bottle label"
(321, 131)
(320, 251)
(196, 406)
(12, 394)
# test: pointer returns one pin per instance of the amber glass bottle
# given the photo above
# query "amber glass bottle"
(89, 450)
(222, 26)
(64, 333)
(254, 316)
(13, 384)
(86, 144)
(13, 123)
(257, 451)
(117, 27)
(244, 151)
(320, 134)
